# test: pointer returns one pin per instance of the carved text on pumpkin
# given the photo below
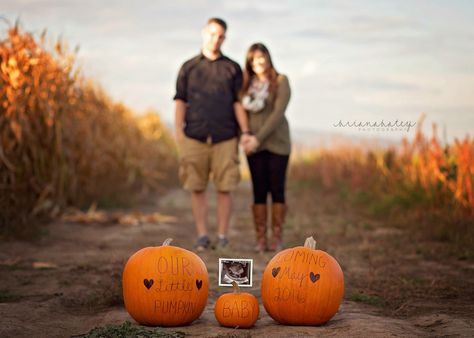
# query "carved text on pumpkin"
(303, 256)
(174, 306)
(284, 294)
(173, 265)
(179, 285)
(292, 275)
(240, 309)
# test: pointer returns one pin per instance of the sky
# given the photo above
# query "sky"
(347, 61)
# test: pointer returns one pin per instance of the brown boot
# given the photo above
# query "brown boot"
(278, 218)
(260, 221)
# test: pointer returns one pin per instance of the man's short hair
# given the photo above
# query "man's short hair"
(218, 21)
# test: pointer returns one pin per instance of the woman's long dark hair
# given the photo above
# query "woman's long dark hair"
(272, 74)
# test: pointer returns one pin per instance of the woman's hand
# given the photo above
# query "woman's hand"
(250, 144)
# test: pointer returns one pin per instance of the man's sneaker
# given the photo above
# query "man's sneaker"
(222, 243)
(202, 243)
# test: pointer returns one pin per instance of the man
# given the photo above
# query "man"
(208, 116)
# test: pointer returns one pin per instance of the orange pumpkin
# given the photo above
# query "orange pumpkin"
(237, 309)
(302, 286)
(165, 286)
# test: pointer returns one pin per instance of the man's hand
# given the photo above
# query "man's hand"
(244, 139)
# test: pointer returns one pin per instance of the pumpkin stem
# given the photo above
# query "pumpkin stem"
(167, 242)
(310, 243)
(236, 287)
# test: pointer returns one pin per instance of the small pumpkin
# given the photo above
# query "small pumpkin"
(165, 286)
(302, 286)
(237, 309)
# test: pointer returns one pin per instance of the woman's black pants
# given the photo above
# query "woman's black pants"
(268, 171)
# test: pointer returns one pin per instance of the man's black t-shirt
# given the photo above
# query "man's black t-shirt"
(209, 88)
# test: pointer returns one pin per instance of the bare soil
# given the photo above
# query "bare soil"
(398, 283)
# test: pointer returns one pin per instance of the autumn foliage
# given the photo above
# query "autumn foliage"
(63, 141)
(422, 172)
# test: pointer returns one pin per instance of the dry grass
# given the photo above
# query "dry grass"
(420, 183)
(64, 142)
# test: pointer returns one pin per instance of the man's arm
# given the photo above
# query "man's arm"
(180, 112)
(241, 117)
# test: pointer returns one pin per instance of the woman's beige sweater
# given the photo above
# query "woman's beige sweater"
(270, 125)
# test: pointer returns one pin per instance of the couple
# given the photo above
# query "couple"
(215, 106)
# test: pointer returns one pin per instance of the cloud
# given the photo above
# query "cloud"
(308, 69)
(342, 57)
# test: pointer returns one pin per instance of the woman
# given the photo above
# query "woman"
(265, 95)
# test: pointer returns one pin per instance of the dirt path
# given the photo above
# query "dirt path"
(392, 289)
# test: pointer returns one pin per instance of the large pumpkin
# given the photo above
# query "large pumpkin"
(302, 286)
(237, 309)
(165, 286)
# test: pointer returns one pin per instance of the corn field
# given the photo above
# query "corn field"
(441, 175)
(63, 141)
